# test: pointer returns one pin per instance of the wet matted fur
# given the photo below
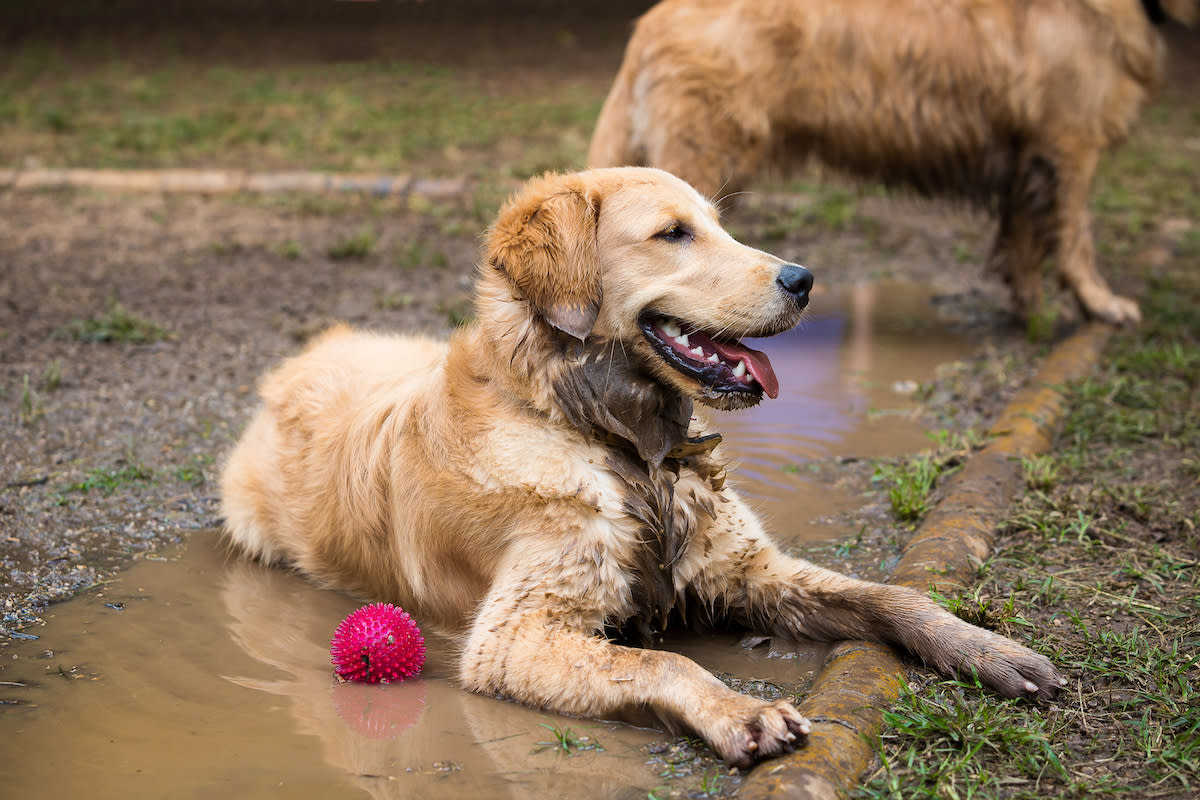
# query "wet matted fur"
(540, 479)
(1008, 103)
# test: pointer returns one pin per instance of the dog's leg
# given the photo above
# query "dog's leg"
(771, 592)
(1016, 256)
(535, 642)
(1076, 259)
(1025, 232)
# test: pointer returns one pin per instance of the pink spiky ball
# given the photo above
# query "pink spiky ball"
(378, 643)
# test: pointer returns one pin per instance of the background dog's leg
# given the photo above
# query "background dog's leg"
(1076, 258)
(774, 593)
(1026, 231)
(1017, 258)
(527, 645)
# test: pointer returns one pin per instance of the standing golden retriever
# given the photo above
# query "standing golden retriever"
(540, 479)
(1006, 102)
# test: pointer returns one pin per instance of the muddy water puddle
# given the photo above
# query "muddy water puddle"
(196, 675)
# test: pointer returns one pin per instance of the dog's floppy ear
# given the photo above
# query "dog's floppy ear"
(544, 242)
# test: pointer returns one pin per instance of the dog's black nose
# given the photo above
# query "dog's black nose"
(796, 281)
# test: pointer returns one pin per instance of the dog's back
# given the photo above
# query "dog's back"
(305, 478)
(931, 95)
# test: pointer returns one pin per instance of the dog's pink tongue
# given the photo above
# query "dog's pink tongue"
(757, 364)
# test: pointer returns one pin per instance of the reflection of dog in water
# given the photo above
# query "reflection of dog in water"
(541, 478)
(416, 738)
(1007, 102)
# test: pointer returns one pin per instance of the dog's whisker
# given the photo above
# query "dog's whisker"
(719, 202)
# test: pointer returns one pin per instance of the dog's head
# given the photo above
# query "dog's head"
(636, 261)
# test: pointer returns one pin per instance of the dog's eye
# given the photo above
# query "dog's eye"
(673, 233)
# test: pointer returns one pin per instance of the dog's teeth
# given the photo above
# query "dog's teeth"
(698, 352)
(670, 329)
(682, 339)
(740, 370)
(713, 358)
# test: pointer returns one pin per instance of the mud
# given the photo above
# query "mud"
(194, 673)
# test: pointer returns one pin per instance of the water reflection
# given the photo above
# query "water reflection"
(837, 372)
(422, 737)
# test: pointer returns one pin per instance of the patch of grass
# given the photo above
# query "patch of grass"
(831, 207)
(354, 246)
(117, 325)
(52, 375)
(910, 481)
(1097, 561)
(31, 404)
(847, 547)
(979, 608)
(953, 445)
(290, 249)
(691, 768)
(188, 474)
(835, 208)
(1041, 472)
(566, 742)
(388, 301)
(1040, 324)
(99, 109)
(711, 783)
(419, 253)
(222, 247)
(910, 485)
(957, 748)
(108, 480)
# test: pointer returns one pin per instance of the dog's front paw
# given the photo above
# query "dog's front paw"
(760, 731)
(1011, 669)
(1114, 309)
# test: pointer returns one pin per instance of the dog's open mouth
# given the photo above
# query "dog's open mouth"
(723, 366)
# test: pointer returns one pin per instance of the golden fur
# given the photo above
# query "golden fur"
(1007, 102)
(540, 479)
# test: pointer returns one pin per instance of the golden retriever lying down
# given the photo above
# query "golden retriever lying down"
(1006, 102)
(540, 478)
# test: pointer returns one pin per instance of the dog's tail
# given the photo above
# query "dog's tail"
(613, 142)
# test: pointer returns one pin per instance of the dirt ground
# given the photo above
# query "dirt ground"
(133, 327)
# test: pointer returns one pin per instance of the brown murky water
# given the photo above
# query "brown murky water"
(196, 675)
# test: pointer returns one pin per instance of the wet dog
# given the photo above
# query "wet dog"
(1008, 103)
(540, 479)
